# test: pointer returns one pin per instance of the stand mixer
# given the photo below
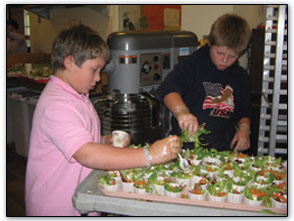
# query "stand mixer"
(139, 62)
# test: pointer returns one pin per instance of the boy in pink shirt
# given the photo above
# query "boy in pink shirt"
(65, 138)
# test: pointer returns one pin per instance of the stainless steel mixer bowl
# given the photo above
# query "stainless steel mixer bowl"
(133, 113)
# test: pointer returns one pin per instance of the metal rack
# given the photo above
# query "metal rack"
(273, 131)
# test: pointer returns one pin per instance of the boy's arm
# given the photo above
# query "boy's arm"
(107, 157)
(244, 123)
(175, 103)
(242, 136)
(186, 120)
(103, 156)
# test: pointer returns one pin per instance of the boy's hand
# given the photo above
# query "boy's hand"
(188, 121)
(242, 139)
(164, 150)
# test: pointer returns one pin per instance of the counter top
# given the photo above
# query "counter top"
(25, 82)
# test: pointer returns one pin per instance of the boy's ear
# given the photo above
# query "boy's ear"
(68, 62)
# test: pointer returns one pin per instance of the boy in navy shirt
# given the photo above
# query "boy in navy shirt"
(211, 87)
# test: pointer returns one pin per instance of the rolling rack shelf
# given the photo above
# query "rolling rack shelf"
(273, 131)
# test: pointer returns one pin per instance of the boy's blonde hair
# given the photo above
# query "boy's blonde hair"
(81, 42)
(231, 31)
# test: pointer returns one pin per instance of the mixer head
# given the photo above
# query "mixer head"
(141, 60)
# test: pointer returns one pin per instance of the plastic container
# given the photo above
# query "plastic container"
(10, 88)
(21, 119)
(31, 103)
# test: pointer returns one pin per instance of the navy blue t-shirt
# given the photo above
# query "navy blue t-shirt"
(219, 98)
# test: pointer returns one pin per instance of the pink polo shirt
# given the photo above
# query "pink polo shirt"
(64, 120)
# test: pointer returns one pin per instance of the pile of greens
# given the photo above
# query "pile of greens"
(185, 137)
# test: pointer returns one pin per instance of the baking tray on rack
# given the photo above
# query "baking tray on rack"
(184, 201)
(88, 197)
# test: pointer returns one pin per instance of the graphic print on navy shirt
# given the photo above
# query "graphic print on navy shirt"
(219, 99)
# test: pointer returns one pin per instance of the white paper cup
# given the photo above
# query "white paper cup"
(196, 162)
(230, 173)
(217, 198)
(28, 67)
(277, 204)
(172, 194)
(128, 187)
(186, 182)
(141, 191)
(119, 138)
(159, 189)
(194, 196)
(252, 202)
(196, 179)
(238, 188)
(111, 187)
(235, 198)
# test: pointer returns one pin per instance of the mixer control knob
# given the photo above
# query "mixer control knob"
(146, 67)
(156, 58)
(156, 77)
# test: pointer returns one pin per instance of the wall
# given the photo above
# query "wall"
(199, 18)
(132, 12)
(44, 31)
(254, 14)
(155, 15)
(195, 18)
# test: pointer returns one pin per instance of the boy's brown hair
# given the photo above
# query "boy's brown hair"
(79, 41)
(231, 31)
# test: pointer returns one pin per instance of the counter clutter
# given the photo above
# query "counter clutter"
(213, 177)
(40, 72)
(33, 70)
